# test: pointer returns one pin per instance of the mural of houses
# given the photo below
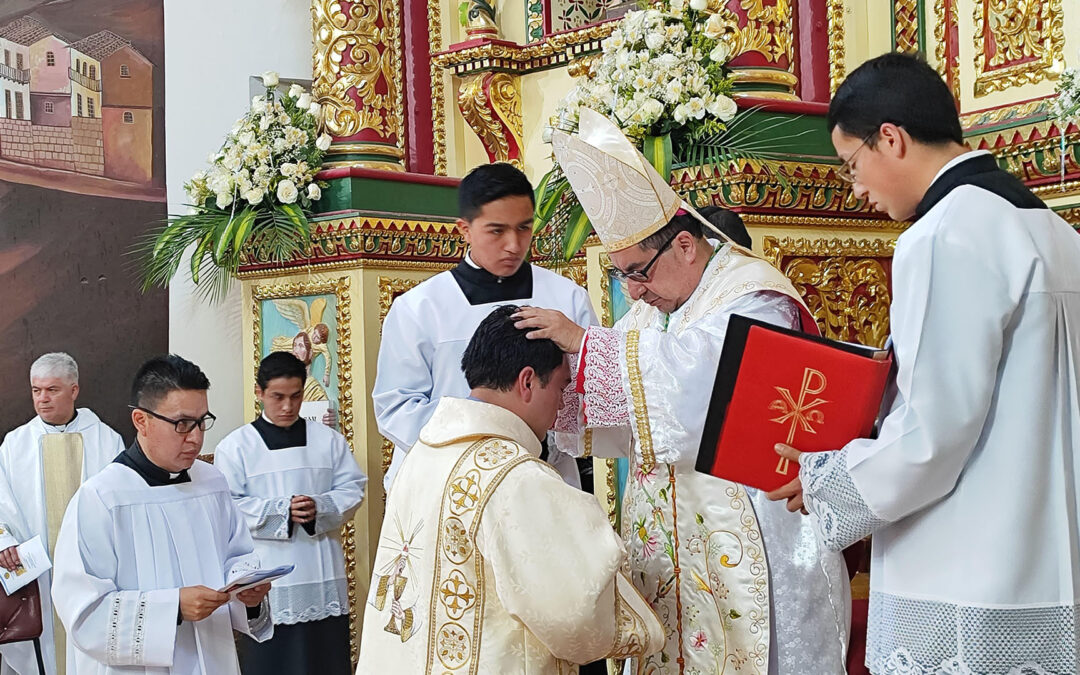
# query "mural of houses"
(14, 80)
(16, 139)
(127, 100)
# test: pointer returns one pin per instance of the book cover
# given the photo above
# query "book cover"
(776, 385)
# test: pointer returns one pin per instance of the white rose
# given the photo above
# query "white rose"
(653, 108)
(224, 199)
(288, 169)
(714, 27)
(295, 91)
(304, 101)
(699, 5)
(677, 7)
(723, 108)
(258, 105)
(720, 53)
(323, 142)
(286, 192)
(654, 41)
(254, 195)
(315, 108)
(270, 78)
(680, 113)
(314, 192)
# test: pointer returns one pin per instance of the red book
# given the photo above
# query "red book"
(776, 385)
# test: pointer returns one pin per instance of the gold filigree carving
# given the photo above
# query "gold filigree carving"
(553, 50)
(340, 288)
(491, 105)
(357, 56)
(1016, 42)
(767, 29)
(837, 65)
(844, 282)
(438, 100)
(1071, 215)
(948, 61)
(583, 66)
(906, 22)
(1008, 113)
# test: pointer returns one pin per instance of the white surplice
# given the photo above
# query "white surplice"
(23, 516)
(125, 550)
(971, 487)
(748, 583)
(489, 564)
(263, 482)
(423, 339)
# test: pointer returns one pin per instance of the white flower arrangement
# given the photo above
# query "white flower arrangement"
(661, 69)
(1066, 106)
(255, 195)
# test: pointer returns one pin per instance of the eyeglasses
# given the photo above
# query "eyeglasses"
(642, 275)
(184, 425)
(846, 173)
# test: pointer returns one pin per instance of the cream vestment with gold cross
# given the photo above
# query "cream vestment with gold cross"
(489, 563)
(40, 469)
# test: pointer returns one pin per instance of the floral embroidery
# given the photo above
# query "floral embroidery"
(699, 640)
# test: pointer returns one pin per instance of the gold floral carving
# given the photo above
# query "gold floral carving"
(438, 101)
(581, 67)
(491, 105)
(906, 21)
(552, 51)
(575, 271)
(948, 61)
(844, 283)
(357, 54)
(1016, 42)
(1071, 215)
(1008, 113)
(837, 66)
(766, 30)
(340, 288)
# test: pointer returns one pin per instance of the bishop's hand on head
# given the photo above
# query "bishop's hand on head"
(550, 324)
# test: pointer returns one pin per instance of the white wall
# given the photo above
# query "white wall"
(212, 47)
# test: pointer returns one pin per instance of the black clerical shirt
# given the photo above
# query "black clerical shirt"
(482, 287)
(279, 438)
(135, 459)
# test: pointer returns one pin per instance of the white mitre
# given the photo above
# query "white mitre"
(620, 191)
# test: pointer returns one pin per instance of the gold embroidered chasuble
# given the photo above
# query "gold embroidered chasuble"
(695, 542)
(489, 563)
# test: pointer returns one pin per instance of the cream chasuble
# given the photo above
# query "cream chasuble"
(489, 563)
(741, 585)
(41, 467)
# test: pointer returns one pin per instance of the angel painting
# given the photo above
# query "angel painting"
(303, 332)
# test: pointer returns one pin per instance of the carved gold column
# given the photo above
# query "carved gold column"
(762, 37)
(357, 80)
(491, 105)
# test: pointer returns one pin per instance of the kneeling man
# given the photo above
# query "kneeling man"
(481, 538)
(147, 542)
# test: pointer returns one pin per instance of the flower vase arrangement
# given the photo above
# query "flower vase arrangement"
(1066, 107)
(661, 76)
(256, 195)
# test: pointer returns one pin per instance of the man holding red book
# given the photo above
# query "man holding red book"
(970, 488)
(737, 580)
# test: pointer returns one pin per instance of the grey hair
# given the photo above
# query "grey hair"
(55, 364)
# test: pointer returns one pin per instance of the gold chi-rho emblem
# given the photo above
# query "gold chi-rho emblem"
(802, 413)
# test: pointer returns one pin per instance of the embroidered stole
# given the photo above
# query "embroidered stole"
(62, 467)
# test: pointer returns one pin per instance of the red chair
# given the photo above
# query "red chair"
(20, 619)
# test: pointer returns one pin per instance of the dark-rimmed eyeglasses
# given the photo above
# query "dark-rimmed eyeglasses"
(184, 425)
(846, 173)
(642, 275)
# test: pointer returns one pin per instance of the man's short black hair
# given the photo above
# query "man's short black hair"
(680, 223)
(900, 89)
(490, 182)
(279, 364)
(499, 351)
(161, 375)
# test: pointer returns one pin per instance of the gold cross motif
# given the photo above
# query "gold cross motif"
(465, 492)
(457, 595)
(799, 414)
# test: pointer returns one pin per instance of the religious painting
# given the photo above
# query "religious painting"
(82, 176)
(306, 325)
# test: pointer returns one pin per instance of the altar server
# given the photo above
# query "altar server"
(467, 577)
(42, 464)
(970, 488)
(147, 544)
(295, 484)
(736, 579)
(426, 331)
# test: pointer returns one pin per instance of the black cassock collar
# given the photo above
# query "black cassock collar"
(135, 459)
(279, 438)
(482, 287)
(981, 171)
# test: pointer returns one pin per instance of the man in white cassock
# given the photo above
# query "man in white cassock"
(427, 328)
(147, 544)
(740, 584)
(488, 562)
(970, 488)
(42, 464)
(295, 484)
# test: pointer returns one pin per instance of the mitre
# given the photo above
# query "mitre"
(620, 191)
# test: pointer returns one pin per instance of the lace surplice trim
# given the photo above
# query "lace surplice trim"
(842, 515)
(274, 520)
(641, 410)
(605, 400)
(112, 644)
(327, 516)
(920, 637)
(140, 620)
(567, 419)
(308, 602)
